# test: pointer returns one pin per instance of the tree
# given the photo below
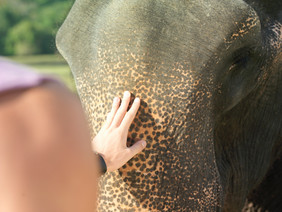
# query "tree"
(21, 39)
(47, 21)
(30, 26)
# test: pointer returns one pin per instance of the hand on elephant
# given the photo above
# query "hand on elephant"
(110, 142)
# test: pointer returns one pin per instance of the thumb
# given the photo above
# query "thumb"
(137, 147)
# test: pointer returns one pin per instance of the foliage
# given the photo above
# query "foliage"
(29, 26)
(20, 39)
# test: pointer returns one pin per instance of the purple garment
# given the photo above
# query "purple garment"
(15, 76)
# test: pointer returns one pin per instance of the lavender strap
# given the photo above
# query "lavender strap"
(15, 76)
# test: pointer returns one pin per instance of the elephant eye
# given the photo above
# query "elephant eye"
(241, 58)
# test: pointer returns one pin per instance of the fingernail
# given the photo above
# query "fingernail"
(137, 100)
(144, 144)
(116, 99)
(126, 94)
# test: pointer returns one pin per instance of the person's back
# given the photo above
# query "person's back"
(46, 159)
(45, 150)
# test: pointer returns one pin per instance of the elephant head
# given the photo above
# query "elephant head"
(191, 63)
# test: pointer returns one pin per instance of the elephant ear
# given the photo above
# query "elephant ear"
(267, 9)
(241, 77)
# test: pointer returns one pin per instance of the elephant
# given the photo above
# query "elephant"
(209, 75)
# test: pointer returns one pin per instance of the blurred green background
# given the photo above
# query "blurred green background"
(27, 34)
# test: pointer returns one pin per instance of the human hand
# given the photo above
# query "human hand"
(110, 142)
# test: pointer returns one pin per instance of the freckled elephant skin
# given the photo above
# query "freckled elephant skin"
(209, 76)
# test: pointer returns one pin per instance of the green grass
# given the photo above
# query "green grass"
(53, 65)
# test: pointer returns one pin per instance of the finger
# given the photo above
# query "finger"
(130, 115)
(112, 114)
(136, 148)
(122, 109)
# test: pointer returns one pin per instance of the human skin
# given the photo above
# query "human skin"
(46, 157)
(114, 130)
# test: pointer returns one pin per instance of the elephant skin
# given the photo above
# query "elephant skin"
(209, 76)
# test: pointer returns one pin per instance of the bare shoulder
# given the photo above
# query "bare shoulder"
(45, 150)
(37, 110)
(37, 99)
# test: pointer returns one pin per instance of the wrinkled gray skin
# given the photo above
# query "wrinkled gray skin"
(209, 74)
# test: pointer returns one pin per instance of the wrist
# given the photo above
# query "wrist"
(102, 164)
